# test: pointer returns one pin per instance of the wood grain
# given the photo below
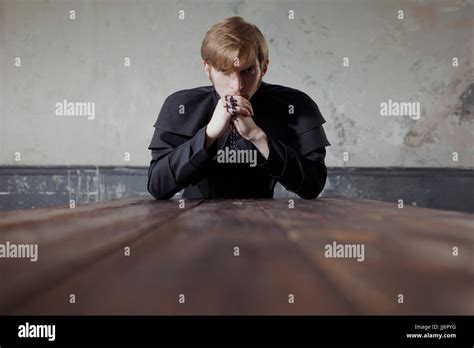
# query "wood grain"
(70, 239)
(408, 251)
(190, 251)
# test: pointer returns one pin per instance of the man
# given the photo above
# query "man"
(237, 138)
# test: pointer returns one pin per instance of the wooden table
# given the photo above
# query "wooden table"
(281, 252)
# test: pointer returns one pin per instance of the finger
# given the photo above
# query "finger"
(237, 125)
(243, 111)
(241, 127)
(243, 102)
(239, 110)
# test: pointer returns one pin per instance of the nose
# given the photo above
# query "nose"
(236, 82)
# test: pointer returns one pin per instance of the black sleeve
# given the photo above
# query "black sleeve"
(298, 163)
(176, 161)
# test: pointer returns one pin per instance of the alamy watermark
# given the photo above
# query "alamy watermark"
(345, 251)
(392, 108)
(23, 251)
(237, 156)
(37, 331)
(66, 108)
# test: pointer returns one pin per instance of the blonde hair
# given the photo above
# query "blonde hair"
(233, 38)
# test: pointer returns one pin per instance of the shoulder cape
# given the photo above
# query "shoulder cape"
(283, 113)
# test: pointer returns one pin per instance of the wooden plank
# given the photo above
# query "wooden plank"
(282, 252)
(71, 239)
(407, 251)
(10, 219)
(199, 262)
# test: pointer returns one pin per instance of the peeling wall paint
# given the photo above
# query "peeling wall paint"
(32, 187)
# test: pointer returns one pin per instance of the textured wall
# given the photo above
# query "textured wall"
(404, 60)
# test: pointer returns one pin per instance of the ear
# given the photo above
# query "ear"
(207, 69)
(265, 66)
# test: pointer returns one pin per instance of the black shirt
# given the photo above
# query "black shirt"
(296, 140)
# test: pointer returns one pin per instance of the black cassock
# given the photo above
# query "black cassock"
(296, 140)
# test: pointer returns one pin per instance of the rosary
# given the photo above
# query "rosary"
(233, 132)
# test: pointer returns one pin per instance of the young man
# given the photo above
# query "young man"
(238, 137)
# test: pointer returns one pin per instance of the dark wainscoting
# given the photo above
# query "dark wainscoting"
(25, 187)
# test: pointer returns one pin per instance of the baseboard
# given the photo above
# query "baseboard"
(25, 187)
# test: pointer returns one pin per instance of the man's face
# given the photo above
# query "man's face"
(244, 82)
